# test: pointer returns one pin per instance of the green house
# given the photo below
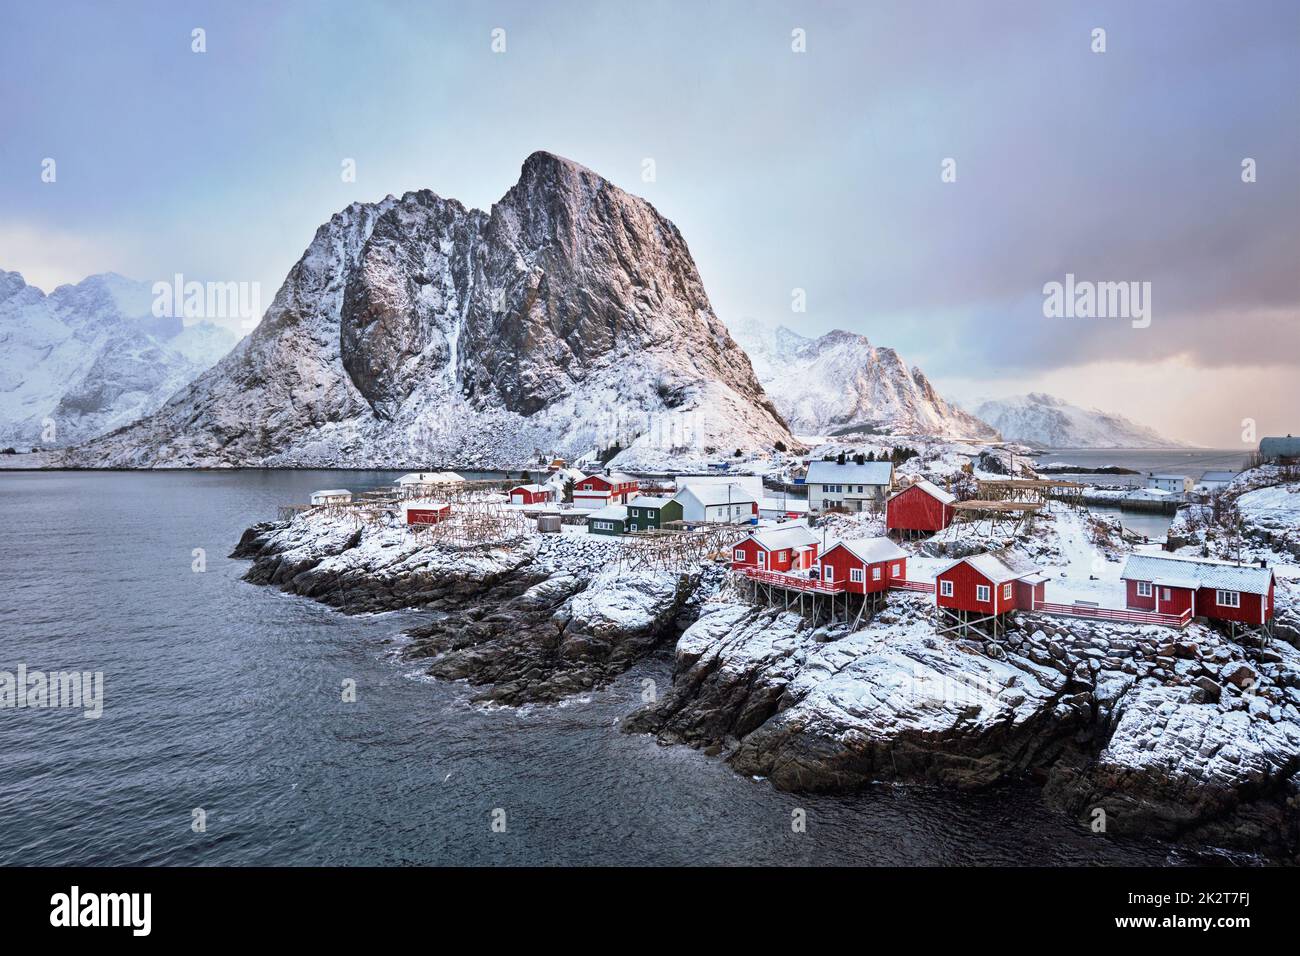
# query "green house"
(645, 513)
(608, 520)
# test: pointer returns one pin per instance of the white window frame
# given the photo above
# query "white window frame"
(762, 558)
(1227, 598)
(897, 570)
(983, 592)
(1144, 589)
(828, 573)
(739, 555)
(855, 575)
(1006, 591)
(875, 573)
(945, 589)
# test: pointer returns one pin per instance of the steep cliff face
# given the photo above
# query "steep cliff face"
(840, 382)
(569, 318)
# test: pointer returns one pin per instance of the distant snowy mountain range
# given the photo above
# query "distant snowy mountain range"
(91, 357)
(840, 383)
(1050, 422)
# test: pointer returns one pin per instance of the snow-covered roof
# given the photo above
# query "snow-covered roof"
(719, 494)
(1206, 573)
(429, 478)
(330, 493)
(998, 567)
(531, 488)
(613, 477)
(751, 483)
(868, 473)
(1219, 476)
(649, 501)
(1287, 447)
(615, 512)
(870, 550)
(931, 489)
(794, 535)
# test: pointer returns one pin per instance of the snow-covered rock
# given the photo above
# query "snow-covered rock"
(1052, 422)
(569, 317)
(840, 383)
(91, 357)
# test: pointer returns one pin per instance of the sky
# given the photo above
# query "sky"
(821, 170)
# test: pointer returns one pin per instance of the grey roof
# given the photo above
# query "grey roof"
(1170, 477)
(794, 535)
(832, 472)
(613, 477)
(1287, 447)
(717, 494)
(1225, 575)
(871, 550)
(1219, 476)
(648, 501)
(998, 566)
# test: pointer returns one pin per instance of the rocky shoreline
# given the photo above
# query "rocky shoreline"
(1185, 736)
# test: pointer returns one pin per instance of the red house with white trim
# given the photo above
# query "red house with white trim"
(990, 584)
(921, 506)
(791, 547)
(423, 511)
(864, 565)
(1220, 590)
(531, 494)
(599, 490)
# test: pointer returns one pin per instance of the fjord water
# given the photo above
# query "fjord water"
(226, 697)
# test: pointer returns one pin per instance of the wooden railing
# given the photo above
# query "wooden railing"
(793, 582)
(900, 585)
(1115, 614)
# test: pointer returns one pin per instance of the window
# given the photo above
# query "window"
(828, 572)
(1228, 598)
(762, 559)
(945, 588)
(982, 592)
(1006, 592)
(1144, 589)
(897, 571)
(859, 489)
(875, 573)
(1168, 594)
(855, 575)
(740, 555)
(633, 527)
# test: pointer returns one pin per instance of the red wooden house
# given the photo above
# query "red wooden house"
(864, 565)
(979, 590)
(423, 511)
(921, 506)
(791, 547)
(599, 490)
(1221, 590)
(531, 494)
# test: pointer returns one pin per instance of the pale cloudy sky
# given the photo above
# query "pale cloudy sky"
(816, 170)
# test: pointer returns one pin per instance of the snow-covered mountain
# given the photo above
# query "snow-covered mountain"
(841, 382)
(568, 318)
(1050, 422)
(91, 357)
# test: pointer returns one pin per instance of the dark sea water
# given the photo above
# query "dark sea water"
(225, 696)
(1192, 462)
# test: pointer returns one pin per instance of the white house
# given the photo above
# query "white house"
(853, 486)
(709, 501)
(1214, 480)
(1177, 484)
(418, 482)
(751, 483)
(331, 496)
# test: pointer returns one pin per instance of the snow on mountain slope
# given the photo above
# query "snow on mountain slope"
(415, 331)
(90, 357)
(841, 382)
(1051, 422)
